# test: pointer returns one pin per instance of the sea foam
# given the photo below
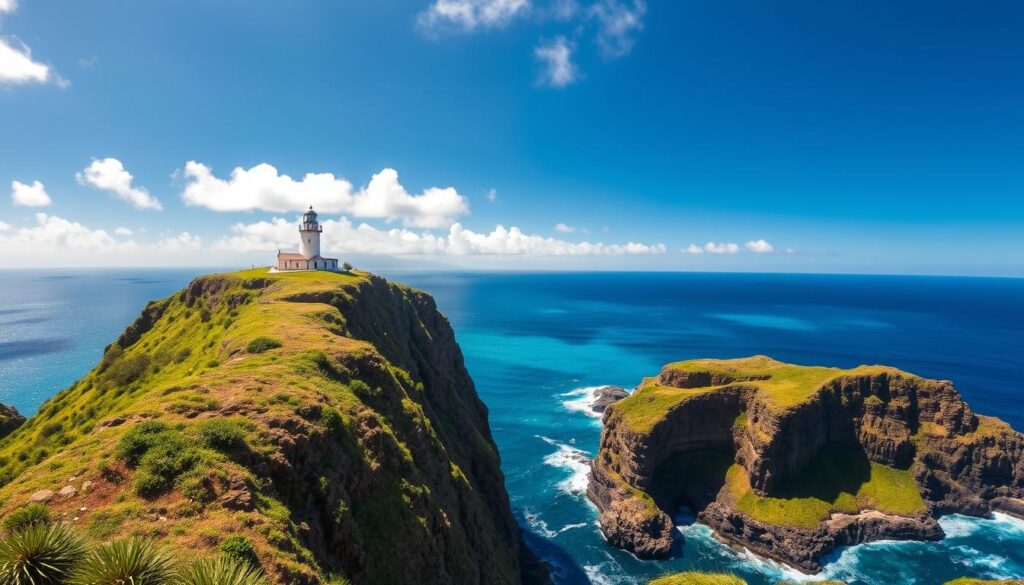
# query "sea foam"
(577, 461)
(582, 400)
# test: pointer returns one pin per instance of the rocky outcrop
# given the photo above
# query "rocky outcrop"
(606, 396)
(773, 423)
(804, 548)
(10, 420)
(355, 446)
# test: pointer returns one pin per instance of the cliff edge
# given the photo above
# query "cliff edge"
(793, 461)
(324, 421)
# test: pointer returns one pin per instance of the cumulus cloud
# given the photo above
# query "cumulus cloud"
(470, 15)
(720, 248)
(693, 249)
(263, 188)
(343, 236)
(557, 67)
(759, 247)
(109, 175)
(33, 195)
(617, 24)
(123, 231)
(8, 5)
(564, 229)
(4, 226)
(183, 242)
(54, 233)
(18, 68)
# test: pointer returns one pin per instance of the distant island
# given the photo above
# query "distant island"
(793, 461)
(317, 426)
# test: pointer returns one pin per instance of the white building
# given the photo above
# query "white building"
(308, 257)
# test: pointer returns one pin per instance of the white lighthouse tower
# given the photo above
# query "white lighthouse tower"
(309, 257)
(309, 232)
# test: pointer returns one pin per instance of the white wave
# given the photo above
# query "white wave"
(609, 572)
(577, 461)
(959, 526)
(582, 400)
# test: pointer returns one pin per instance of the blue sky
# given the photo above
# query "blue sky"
(845, 136)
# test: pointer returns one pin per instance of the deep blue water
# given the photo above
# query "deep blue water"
(534, 343)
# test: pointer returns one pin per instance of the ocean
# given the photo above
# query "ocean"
(537, 344)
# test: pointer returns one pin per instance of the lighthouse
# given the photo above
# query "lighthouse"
(309, 233)
(308, 257)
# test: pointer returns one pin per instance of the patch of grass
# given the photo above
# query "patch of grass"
(698, 578)
(262, 344)
(30, 515)
(241, 549)
(838, 480)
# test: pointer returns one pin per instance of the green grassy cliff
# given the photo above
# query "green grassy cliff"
(324, 420)
(793, 461)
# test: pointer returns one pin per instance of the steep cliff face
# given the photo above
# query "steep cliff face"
(327, 419)
(10, 420)
(794, 461)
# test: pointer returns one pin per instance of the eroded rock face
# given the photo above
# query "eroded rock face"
(960, 462)
(606, 396)
(10, 420)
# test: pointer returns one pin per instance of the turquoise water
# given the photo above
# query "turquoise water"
(536, 343)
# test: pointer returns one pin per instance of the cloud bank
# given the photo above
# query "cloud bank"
(263, 188)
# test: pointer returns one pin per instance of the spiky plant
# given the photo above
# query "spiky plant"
(40, 555)
(221, 570)
(132, 561)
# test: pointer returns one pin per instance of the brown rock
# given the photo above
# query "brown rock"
(41, 496)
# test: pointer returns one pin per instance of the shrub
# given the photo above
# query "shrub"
(204, 315)
(240, 548)
(163, 464)
(262, 344)
(346, 266)
(50, 429)
(134, 444)
(222, 434)
(182, 355)
(127, 370)
(197, 486)
(221, 571)
(22, 518)
(124, 562)
(40, 555)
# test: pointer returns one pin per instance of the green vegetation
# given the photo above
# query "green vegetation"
(30, 515)
(241, 549)
(698, 578)
(262, 344)
(183, 433)
(126, 561)
(40, 555)
(784, 385)
(838, 480)
(221, 571)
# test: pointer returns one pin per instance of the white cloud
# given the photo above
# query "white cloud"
(513, 241)
(617, 22)
(109, 175)
(183, 242)
(470, 15)
(492, 195)
(262, 187)
(33, 195)
(694, 249)
(721, 248)
(564, 229)
(4, 226)
(342, 236)
(17, 66)
(760, 247)
(8, 5)
(558, 69)
(55, 233)
(123, 231)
